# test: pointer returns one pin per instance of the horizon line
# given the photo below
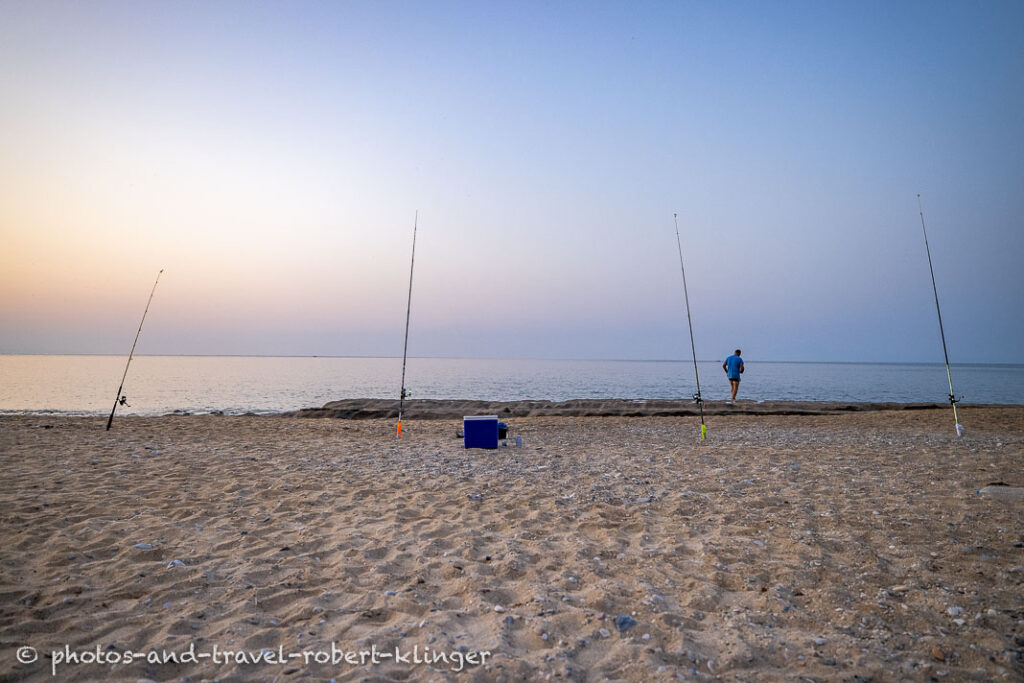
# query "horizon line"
(513, 358)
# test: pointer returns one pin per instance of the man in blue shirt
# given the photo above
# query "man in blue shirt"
(733, 367)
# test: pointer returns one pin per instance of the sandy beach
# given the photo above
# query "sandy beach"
(836, 544)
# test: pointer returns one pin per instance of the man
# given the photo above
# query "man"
(733, 367)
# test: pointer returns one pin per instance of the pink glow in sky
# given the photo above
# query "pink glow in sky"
(271, 156)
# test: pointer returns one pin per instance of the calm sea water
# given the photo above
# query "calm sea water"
(163, 384)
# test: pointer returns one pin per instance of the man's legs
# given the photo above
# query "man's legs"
(735, 387)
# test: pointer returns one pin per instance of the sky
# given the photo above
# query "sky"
(273, 158)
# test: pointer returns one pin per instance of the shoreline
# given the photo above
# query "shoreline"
(446, 409)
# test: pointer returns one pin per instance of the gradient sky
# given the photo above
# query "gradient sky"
(271, 157)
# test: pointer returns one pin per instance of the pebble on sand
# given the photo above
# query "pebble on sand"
(624, 622)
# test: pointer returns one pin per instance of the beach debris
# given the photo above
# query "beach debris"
(143, 546)
(605, 633)
(955, 611)
(938, 655)
(624, 622)
(819, 640)
(499, 608)
(175, 563)
(1002, 492)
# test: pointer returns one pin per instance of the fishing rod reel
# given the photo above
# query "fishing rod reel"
(697, 399)
(123, 401)
(953, 400)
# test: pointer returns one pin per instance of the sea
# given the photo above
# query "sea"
(158, 385)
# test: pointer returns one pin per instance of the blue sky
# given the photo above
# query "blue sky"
(271, 156)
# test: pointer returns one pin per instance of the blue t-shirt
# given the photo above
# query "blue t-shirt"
(733, 364)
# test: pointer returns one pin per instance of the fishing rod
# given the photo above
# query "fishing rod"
(408, 308)
(952, 398)
(682, 269)
(123, 400)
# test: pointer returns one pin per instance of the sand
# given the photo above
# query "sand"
(848, 545)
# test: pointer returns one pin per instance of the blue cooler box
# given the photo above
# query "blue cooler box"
(481, 431)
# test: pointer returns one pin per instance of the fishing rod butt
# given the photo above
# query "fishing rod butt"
(703, 432)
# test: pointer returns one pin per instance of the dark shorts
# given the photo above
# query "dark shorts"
(734, 379)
